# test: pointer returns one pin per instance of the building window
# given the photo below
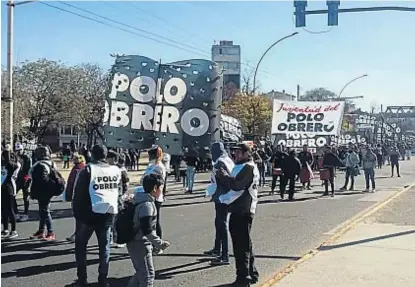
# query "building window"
(220, 51)
(66, 130)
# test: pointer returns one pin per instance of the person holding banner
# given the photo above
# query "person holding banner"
(306, 159)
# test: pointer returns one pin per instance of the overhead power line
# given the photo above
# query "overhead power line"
(205, 53)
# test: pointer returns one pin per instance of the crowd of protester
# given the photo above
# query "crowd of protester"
(98, 184)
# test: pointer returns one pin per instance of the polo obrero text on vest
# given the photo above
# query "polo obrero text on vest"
(106, 182)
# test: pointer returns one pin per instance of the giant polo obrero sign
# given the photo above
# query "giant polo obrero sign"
(173, 105)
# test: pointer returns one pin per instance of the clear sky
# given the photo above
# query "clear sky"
(380, 44)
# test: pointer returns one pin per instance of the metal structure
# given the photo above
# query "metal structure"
(399, 112)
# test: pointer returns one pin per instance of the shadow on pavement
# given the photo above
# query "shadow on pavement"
(324, 248)
(206, 258)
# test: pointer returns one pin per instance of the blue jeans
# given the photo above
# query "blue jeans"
(221, 225)
(45, 219)
(370, 175)
(190, 177)
(83, 234)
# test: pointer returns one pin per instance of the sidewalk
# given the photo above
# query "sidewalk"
(377, 252)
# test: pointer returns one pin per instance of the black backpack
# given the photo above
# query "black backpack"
(56, 181)
(124, 224)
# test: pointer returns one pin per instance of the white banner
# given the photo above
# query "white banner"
(322, 118)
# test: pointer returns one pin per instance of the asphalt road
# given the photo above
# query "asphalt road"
(282, 232)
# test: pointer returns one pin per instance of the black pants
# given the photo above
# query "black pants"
(45, 219)
(240, 229)
(158, 226)
(261, 169)
(66, 164)
(349, 175)
(25, 191)
(221, 226)
(274, 182)
(380, 161)
(393, 165)
(7, 210)
(291, 186)
(331, 181)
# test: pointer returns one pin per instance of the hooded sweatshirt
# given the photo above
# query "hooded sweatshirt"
(220, 159)
(9, 170)
(145, 219)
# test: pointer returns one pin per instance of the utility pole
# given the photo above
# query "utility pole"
(298, 93)
(10, 21)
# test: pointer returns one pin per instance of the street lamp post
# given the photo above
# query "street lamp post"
(10, 14)
(263, 55)
(351, 81)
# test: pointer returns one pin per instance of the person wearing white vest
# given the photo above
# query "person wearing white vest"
(95, 205)
(220, 160)
(242, 200)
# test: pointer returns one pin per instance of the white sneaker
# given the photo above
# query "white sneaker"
(373, 190)
(13, 234)
(120, 245)
(5, 233)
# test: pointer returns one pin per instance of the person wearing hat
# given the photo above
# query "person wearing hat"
(242, 200)
(23, 180)
(95, 204)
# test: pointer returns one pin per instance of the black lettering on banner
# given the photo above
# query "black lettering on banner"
(305, 123)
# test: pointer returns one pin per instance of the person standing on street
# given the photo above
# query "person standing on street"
(394, 157)
(10, 167)
(66, 154)
(277, 160)
(220, 160)
(40, 175)
(368, 164)
(352, 166)
(329, 163)
(191, 161)
(79, 164)
(379, 156)
(23, 180)
(242, 200)
(95, 205)
(291, 170)
(306, 159)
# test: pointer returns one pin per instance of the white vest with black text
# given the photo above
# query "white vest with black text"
(104, 188)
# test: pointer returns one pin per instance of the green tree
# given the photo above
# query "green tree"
(255, 112)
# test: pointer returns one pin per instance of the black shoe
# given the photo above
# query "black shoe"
(103, 283)
(238, 283)
(80, 283)
(325, 194)
(220, 261)
(254, 280)
(212, 252)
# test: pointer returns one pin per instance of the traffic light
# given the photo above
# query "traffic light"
(333, 12)
(300, 13)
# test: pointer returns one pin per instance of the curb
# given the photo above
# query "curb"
(339, 231)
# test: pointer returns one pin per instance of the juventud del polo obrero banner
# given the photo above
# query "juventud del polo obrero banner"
(322, 118)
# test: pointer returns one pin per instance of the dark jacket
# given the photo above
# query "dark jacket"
(40, 180)
(277, 159)
(81, 203)
(242, 181)
(71, 181)
(10, 166)
(305, 157)
(218, 150)
(330, 160)
(26, 164)
(291, 166)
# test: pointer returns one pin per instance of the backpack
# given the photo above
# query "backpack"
(124, 224)
(56, 181)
